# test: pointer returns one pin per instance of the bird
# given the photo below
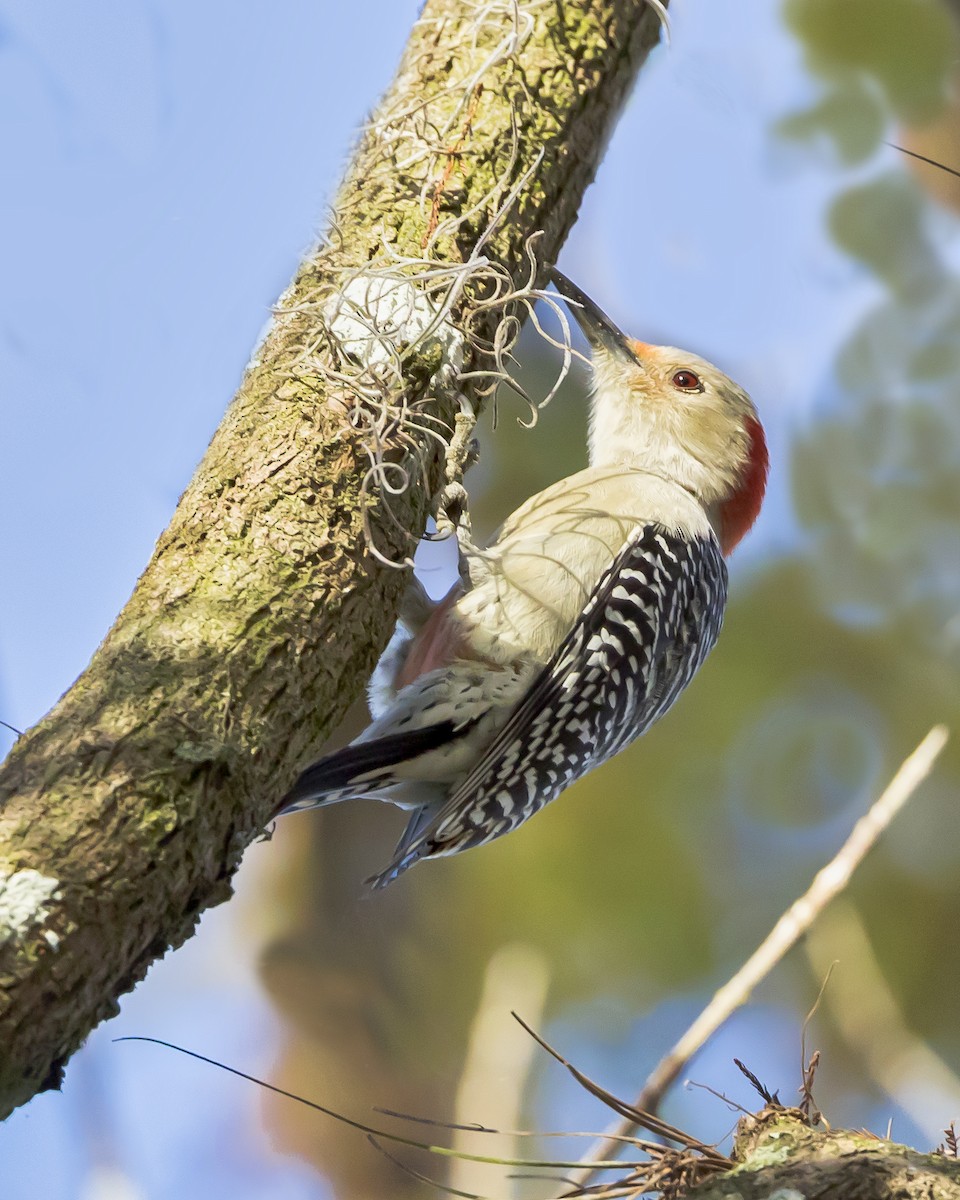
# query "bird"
(578, 626)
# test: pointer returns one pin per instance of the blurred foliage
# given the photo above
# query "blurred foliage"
(874, 54)
(661, 870)
(861, 222)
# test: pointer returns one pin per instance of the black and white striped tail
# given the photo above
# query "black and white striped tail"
(363, 766)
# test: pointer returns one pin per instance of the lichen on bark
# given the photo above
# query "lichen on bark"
(781, 1158)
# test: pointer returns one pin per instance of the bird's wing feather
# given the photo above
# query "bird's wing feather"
(430, 732)
(364, 766)
(649, 623)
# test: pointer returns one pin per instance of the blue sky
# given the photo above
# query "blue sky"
(167, 164)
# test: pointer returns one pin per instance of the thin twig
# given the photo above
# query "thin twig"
(923, 158)
(762, 1091)
(867, 1014)
(639, 1119)
(794, 923)
(372, 1131)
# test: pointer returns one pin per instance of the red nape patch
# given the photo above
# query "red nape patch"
(741, 510)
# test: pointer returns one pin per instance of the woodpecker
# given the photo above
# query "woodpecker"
(579, 626)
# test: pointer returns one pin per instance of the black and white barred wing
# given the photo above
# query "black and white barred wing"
(650, 622)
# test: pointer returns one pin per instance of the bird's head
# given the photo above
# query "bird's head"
(670, 412)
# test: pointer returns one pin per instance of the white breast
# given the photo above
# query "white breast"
(533, 582)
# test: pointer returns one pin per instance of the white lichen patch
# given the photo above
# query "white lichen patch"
(775, 1148)
(376, 318)
(24, 899)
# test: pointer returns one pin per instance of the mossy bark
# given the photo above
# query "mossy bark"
(783, 1159)
(126, 810)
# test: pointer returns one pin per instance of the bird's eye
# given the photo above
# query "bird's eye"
(687, 381)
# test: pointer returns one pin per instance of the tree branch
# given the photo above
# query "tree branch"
(268, 598)
(781, 1156)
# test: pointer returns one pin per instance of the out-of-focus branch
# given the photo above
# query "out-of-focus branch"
(864, 1009)
(827, 884)
(499, 1056)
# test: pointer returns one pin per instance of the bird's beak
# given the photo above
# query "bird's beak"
(598, 329)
